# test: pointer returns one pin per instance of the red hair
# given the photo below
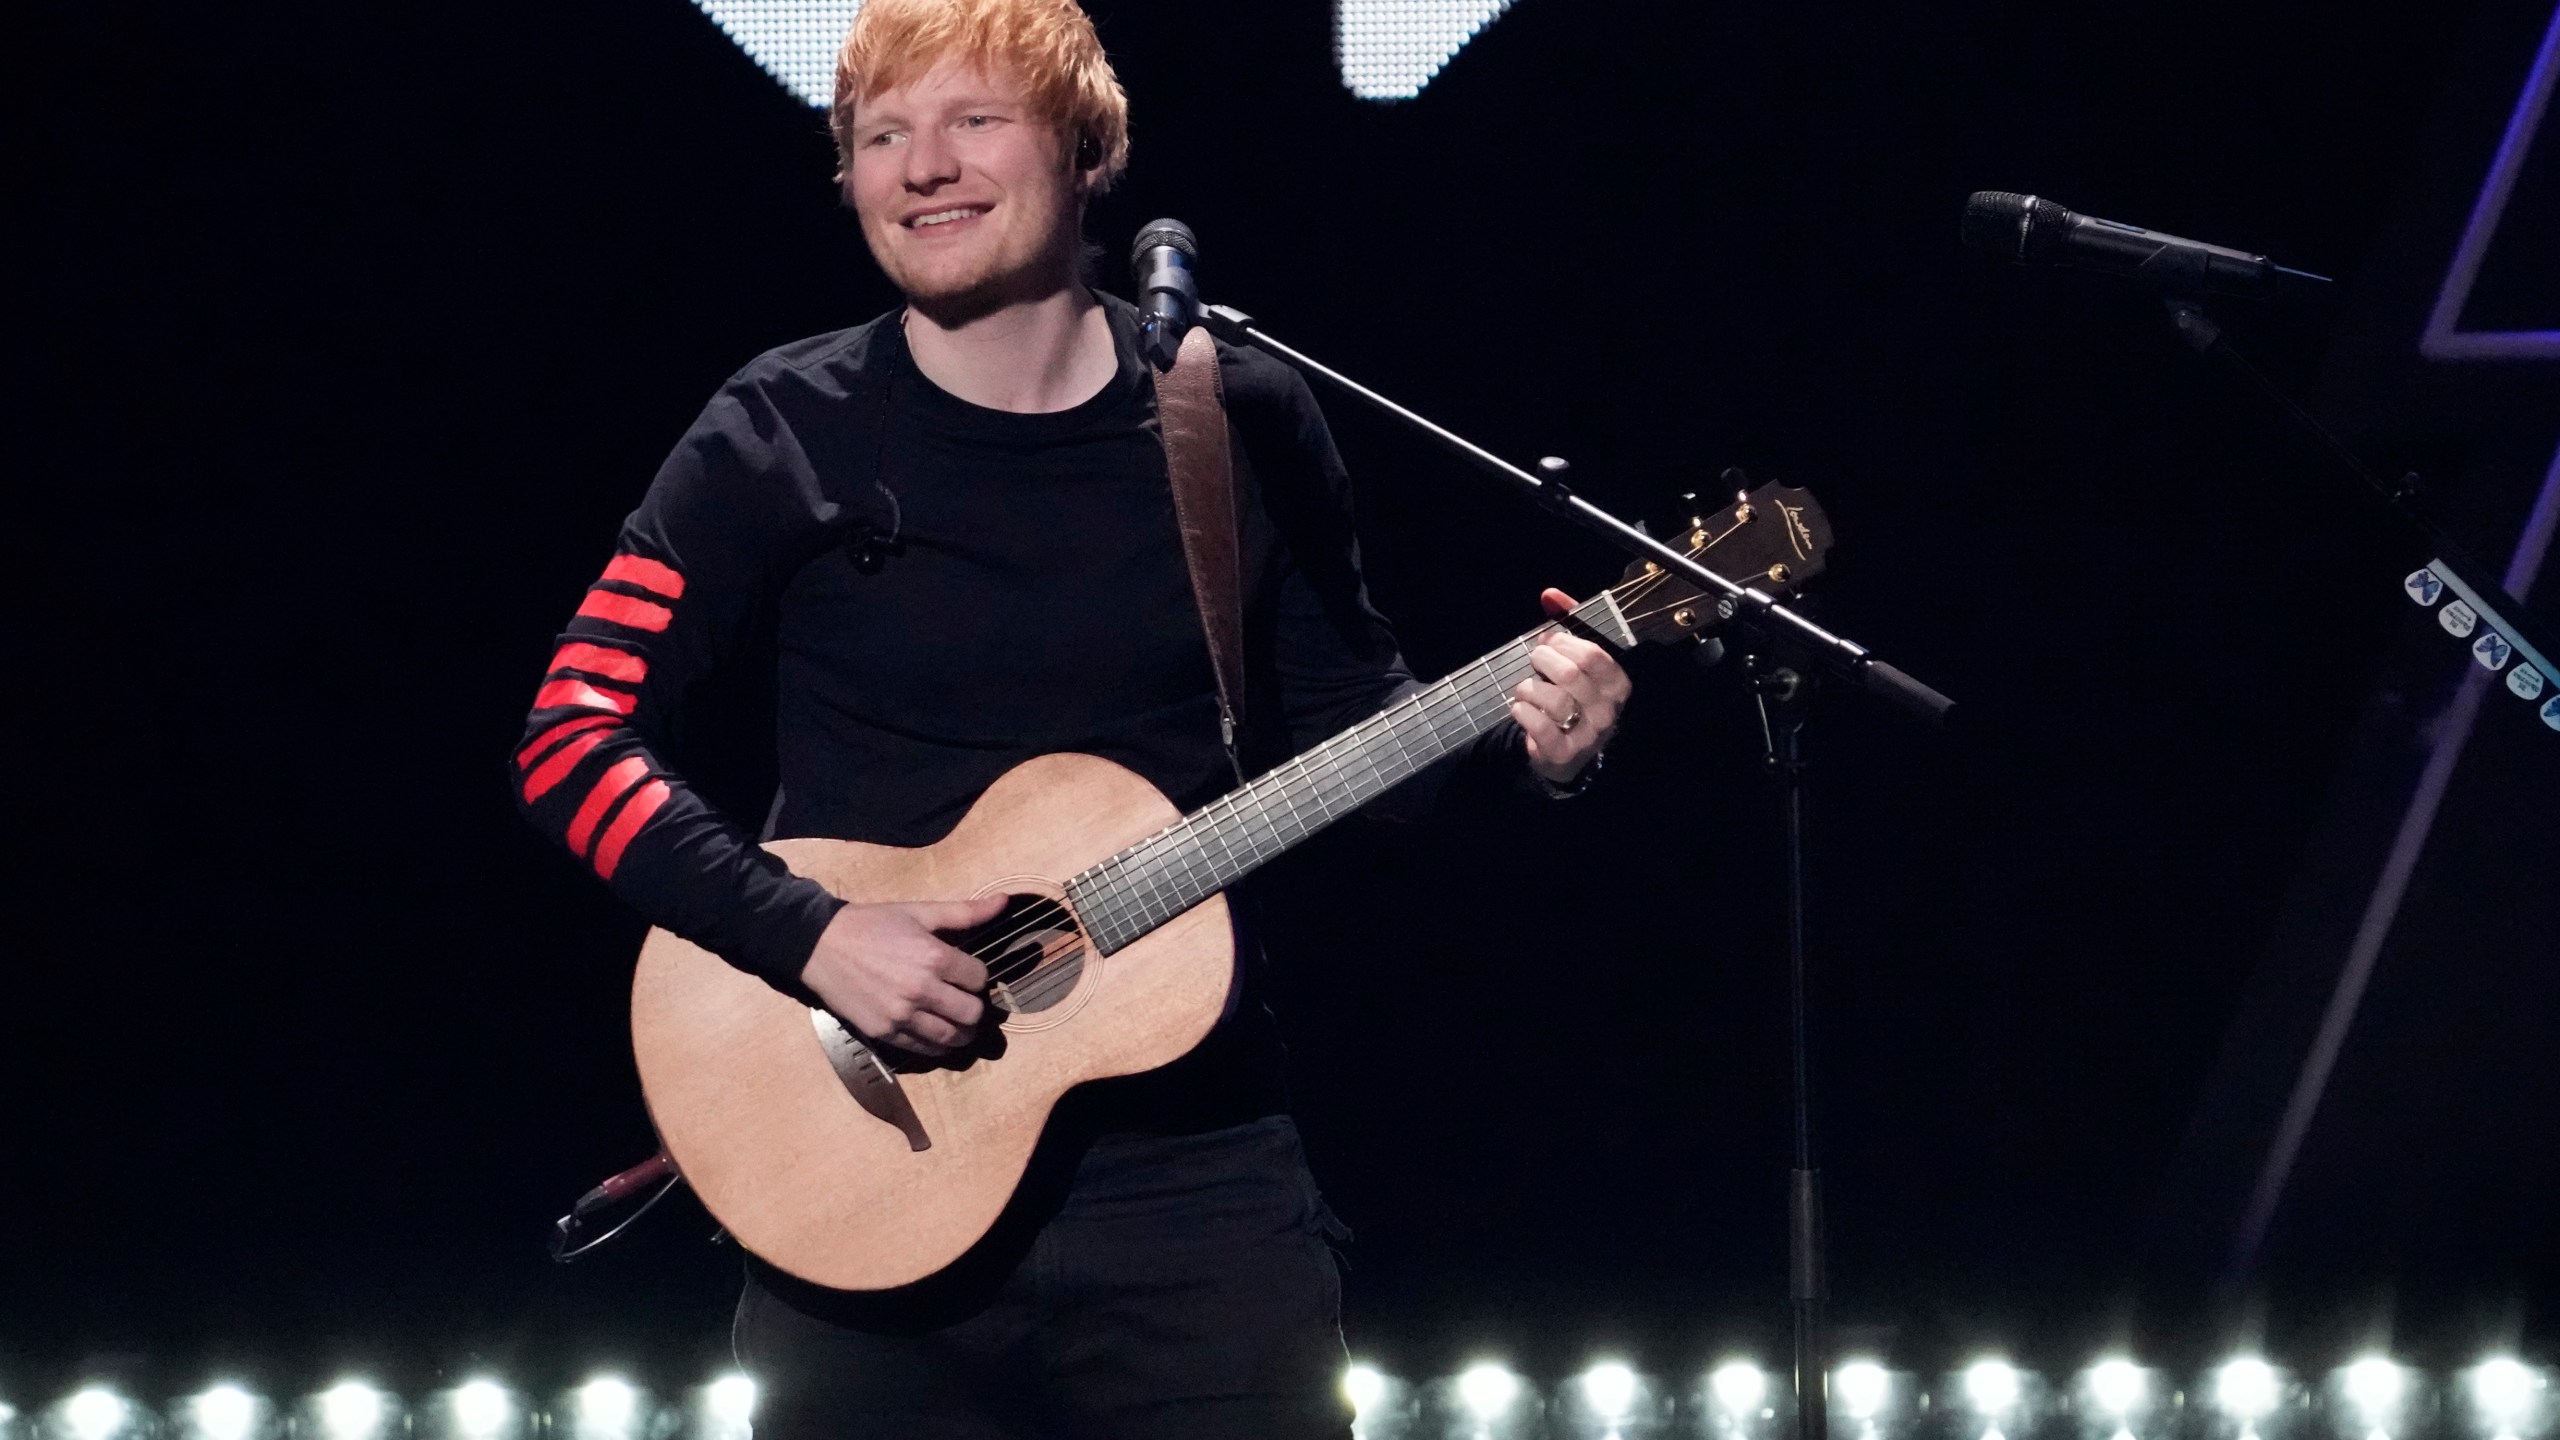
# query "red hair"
(1048, 45)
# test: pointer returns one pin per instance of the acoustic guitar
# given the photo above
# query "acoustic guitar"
(857, 1167)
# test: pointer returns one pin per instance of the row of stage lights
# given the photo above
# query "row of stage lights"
(605, 1408)
(2245, 1399)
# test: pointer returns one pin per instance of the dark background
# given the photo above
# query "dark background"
(351, 331)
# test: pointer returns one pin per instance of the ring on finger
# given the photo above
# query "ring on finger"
(1566, 724)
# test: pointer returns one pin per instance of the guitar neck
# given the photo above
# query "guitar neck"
(1209, 849)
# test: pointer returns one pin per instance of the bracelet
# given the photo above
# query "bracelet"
(1569, 789)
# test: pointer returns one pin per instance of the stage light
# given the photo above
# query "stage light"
(1991, 1387)
(482, 1409)
(1488, 1391)
(1390, 49)
(733, 1400)
(2376, 1392)
(1365, 1388)
(352, 1410)
(1382, 1407)
(1609, 1388)
(2376, 1386)
(1863, 1387)
(2247, 1390)
(2121, 1388)
(95, 1413)
(1740, 1389)
(1609, 1401)
(606, 1408)
(225, 1412)
(2508, 1396)
(795, 41)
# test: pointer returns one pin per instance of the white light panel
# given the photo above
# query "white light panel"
(1387, 49)
(794, 40)
(1390, 49)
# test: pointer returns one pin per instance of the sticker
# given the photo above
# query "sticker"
(2457, 618)
(2423, 586)
(2492, 650)
(2551, 712)
(2525, 681)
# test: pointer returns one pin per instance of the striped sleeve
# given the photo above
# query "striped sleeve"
(723, 526)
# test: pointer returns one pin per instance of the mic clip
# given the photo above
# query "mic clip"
(1160, 341)
(1553, 494)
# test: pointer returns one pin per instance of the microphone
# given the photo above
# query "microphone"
(1168, 298)
(2034, 231)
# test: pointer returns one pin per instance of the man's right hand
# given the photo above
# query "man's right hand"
(883, 971)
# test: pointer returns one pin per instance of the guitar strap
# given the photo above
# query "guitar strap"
(1191, 416)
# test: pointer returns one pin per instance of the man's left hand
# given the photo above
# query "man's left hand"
(1571, 707)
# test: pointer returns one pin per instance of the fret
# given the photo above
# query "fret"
(1138, 889)
(1166, 874)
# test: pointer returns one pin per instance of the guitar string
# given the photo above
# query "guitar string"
(1038, 974)
(1205, 825)
(1175, 881)
(1038, 978)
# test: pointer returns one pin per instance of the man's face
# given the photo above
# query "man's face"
(965, 193)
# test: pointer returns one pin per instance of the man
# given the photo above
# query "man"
(952, 526)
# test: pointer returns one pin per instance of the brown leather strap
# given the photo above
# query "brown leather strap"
(1191, 414)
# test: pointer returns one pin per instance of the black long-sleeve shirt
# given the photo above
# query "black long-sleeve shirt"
(950, 591)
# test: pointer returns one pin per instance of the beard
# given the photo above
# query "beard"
(1015, 270)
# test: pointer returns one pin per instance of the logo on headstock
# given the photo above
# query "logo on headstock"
(1799, 534)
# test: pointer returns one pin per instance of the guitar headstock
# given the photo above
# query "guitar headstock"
(1772, 540)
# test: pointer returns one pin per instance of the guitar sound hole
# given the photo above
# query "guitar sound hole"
(1032, 950)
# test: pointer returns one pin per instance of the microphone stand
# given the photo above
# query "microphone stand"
(1784, 697)
(2468, 578)
(1753, 613)
(1783, 694)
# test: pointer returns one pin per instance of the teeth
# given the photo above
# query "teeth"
(940, 217)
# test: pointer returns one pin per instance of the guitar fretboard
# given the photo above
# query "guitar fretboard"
(1209, 849)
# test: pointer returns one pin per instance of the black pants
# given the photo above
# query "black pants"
(1139, 1285)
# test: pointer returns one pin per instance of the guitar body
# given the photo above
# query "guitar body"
(753, 1109)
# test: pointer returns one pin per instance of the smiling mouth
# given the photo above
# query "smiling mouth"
(945, 217)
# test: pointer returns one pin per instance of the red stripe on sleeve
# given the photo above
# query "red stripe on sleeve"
(579, 692)
(555, 735)
(556, 769)
(626, 773)
(601, 660)
(647, 574)
(627, 824)
(623, 610)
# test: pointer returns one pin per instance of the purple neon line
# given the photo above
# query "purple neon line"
(2453, 732)
(2442, 340)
